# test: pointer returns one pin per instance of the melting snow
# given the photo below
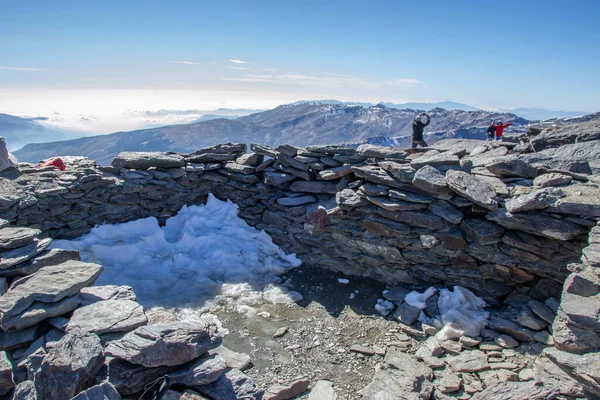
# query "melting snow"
(203, 254)
(343, 281)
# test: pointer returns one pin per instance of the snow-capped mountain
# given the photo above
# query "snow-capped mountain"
(301, 124)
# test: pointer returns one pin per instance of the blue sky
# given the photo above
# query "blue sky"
(488, 54)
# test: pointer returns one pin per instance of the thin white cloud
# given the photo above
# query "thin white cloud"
(403, 82)
(20, 69)
(187, 62)
(300, 79)
(237, 68)
(240, 62)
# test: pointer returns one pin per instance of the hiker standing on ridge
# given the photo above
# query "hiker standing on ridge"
(418, 125)
(491, 132)
(500, 128)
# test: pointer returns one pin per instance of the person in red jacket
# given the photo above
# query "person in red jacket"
(500, 128)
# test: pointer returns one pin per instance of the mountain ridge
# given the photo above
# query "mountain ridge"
(303, 125)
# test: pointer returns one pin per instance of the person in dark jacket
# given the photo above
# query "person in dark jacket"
(491, 132)
(418, 125)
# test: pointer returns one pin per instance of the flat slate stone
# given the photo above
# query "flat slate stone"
(48, 285)
(409, 196)
(11, 238)
(165, 344)
(296, 201)
(469, 361)
(446, 211)
(15, 339)
(314, 187)
(481, 231)
(394, 205)
(511, 329)
(323, 390)
(537, 224)
(103, 391)
(50, 257)
(145, 160)
(431, 181)
(403, 172)
(6, 374)
(94, 294)
(473, 189)
(11, 258)
(108, 316)
(372, 151)
(39, 312)
(402, 374)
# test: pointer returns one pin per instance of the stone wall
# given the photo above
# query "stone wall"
(463, 212)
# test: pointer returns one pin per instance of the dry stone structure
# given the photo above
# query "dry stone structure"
(513, 228)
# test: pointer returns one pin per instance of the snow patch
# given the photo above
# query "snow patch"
(384, 307)
(202, 256)
(461, 313)
(419, 300)
(343, 281)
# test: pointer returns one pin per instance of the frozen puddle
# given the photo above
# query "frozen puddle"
(204, 256)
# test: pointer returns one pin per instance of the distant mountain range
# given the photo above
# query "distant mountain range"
(446, 105)
(300, 124)
(20, 131)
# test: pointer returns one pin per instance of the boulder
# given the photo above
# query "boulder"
(48, 285)
(145, 160)
(473, 189)
(401, 375)
(70, 367)
(165, 344)
(108, 316)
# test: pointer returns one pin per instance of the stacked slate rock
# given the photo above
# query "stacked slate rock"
(61, 338)
(463, 212)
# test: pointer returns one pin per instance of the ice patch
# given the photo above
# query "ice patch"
(384, 307)
(351, 296)
(343, 281)
(419, 300)
(461, 313)
(201, 253)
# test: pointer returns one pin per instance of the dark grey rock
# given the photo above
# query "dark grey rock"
(402, 172)
(408, 196)
(11, 238)
(542, 311)
(443, 209)
(407, 314)
(417, 219)
(536, 200)
(481, 231)
(431, 181)
(473, 189)
(48, 285)
(552, 179)
(38, 312)
(435, 158)
(511, 329)
(394, 205)
(24, 391)
(395, 294)
(296, 201)
(70, 367)
(332, 149)
(94, 294)
(537, 224)
(11, 258)
(348, 198)
(583, 368)
(6, 374)
(510, 166)
(567, 134)
(50, 257)
(336, 173)
(401, 375)
(372, 151)
(145, 160)
(165, 344)
(277, 178)
(577, 157)
(233, 384)
(517, 390)
(469, 361)
(108, 316)
(314, 187)
(15, 339)
(285, 392)
(376, 175)
(103, 391)
(528, 319)
(384, 227)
